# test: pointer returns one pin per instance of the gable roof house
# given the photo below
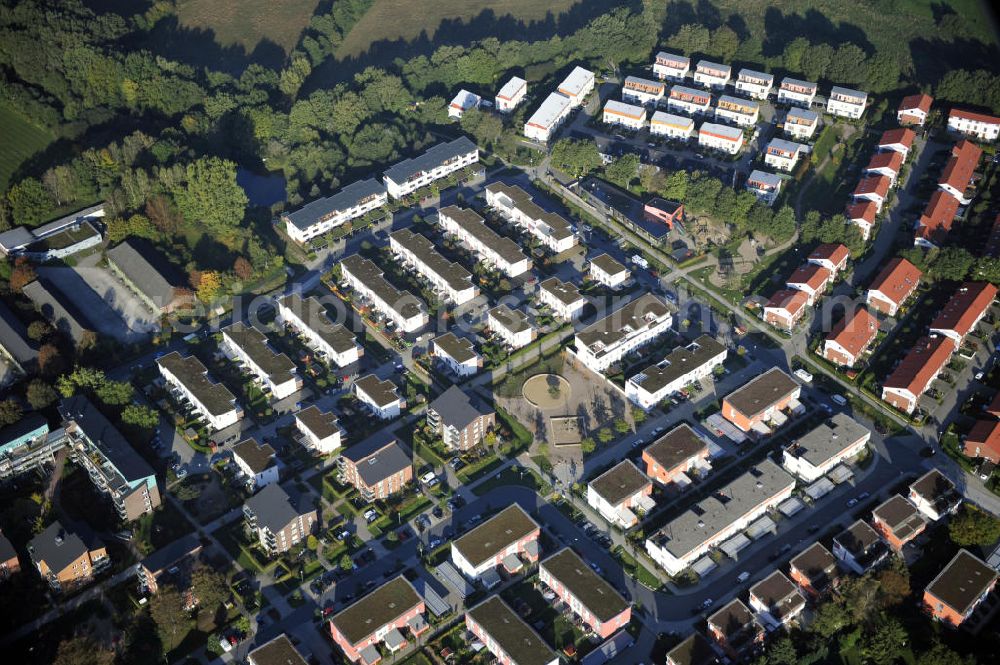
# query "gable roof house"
(915, 373)
(850, 338)
(812, 279)
(893, 286)
(935, 223)
(959, 173)
(785, 308)
(148, 274)
(983, 441)
(913, 110)
(963, 312)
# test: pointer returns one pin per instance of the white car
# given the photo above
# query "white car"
(839, 399)
(224, 643)
(804, 375)
(427, 477)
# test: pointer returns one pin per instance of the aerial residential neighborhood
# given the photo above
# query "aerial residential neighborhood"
(435, 333)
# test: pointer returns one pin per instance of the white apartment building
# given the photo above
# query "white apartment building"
(563, 298)
(784, 155)
(720, 137)
(643, 91)
(980, 125)
(801, 123)
(308, 318)
(618, 492)
(680, 368)
(403, 309)
(498, 251)
(517, 206)
(712, 74)
(511, 94)
(462, 102)
(510, 325)
(319, 430)
(577, 85)
(457, 354)
(797, 92)
(624, 115)
(510, 532)
(757, 85)
(688, 100)
(671, 126)
(670, 66)
(693, 534)
(256, 463)
(322, 215)
(188, 380)
(380, 396)
(437, 162)
(742, 112)
(817, 452)
(448, 279)
(765, 186)
(607, 341)
(274, 372)
(605, 270)
(846, 103)
(546, 120)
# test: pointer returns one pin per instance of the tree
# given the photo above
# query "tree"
(141, 416)
(783, 652)
(973, 527)
(29, 202)
(209, 587)
(604, 435)
(886, 643)
(115, 393)
(894, 585)
(242, 268)
(40, 394)
(791, 57)
(209, 285)
(574, 157)
(830, 619)
(623, 170)
(345, 562)
(587, 445)
(312, 542)
(293, 76)
(22, 274)
(815, 61)
(10, 412)
(951, 264)
(39, 330)
(166, 607)
(486, 128)
(621, 425)
(210, 195)
(691, 38)
(50, 361)
(724, 43)
(82, 651)
(987, 268)
(939, 654)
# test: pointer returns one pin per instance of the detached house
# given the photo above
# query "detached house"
(983, 441)
(915, 373)
(814, 569)
(980, 125)
(762, 400)
(688, 100)
(897, 140)
(670, 66)
(462, 102)
(898, 521)
(382, 397)
(279, 521)
(68, 559)
(675, 454)
(735, 629)
(958, 590)
(782, 154)
(776, 600)
(859, 548)
(457, 354)
(607, 271)
(963, 312)
(934, 495)
(785, 308)
(741, 112)
(913, 110)
(959, 172)
(511, 326)
(511, 94)
(670, 125)
(850, 338)
(256, 463)
(886, 163)
(830, 255)
(935, 223)
(619, 490)
(318, 430)
(720, 137)
(712, 74)
(755, 84)
(695, 650)
(893, 286)
(546, 120)
(278, 651)
(817, 452)
(563, 298)
(765, 186)
(624, 115)
(796, 92)
(801, 123)
(846, 103)
(862, 214)
(642, 91)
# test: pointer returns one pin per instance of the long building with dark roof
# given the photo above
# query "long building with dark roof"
(149, 275)
(435, 163)
(322, 215)
(607, 341)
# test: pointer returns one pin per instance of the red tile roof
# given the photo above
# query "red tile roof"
(959, 169)
(965, 307)
(938, 216)
(873, 184)
(890, 159)
(865, 210)
(976, 117)
(855, 331)
(902, 136)
(994, 408)
(897, 280)
(833, 252)
(927, 357)
(921, 101)
(812, 275)
(984, 434)
(790, 300)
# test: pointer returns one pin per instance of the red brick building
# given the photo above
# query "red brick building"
(983, 441)
(381, 617)
(955, 593)
(595, 601)
(898, 522)
(675, 453)
(753, 405)
(893, 286)
(814, 569)
(914, 374)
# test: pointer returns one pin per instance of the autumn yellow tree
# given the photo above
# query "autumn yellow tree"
(209, 285)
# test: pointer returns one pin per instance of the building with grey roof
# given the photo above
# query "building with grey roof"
(309, 318)
(378, 466)
(510, 325)
(68, 558)
(274, 372)
(814, 569)
(735, 628)
(320, 432)
(563, 298)
(694, 650)
(381, 396)
(620, 490)
(56, 307)
(959, 588)
(148, 274)
(256, 462)
(457, 354)
(498, 251)
(898, 521)
(859, 547)
(605, 270)
(758, 401)
(518, 207)
(506, 636)
(403, 309)
(57, 239)
(461, 418)
(435, 163)
(449, 279)
(167, 562)
(190, 383)
(679, 369)
(20, 352)
(713, 520)
(636, 324)
(279, 520)
(677, 452)
(322, 215)
(935, 495)
(816, 453)
(777, 599)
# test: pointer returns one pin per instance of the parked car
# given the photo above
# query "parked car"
(743, 577)
(839, 399)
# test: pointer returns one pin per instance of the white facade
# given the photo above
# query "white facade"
(511, 94)
(607, 341)
(642, 91)
(462, 102)
(548, 117)
(672, 67)
(384, 409)
(457, 353)
(671, 126)
(846, 103)
(495, 250)
(757, 85)
(647, 394)
(448, 279)
(625, 115)
(742, 112)
(280, 384)
(407, 315)
(689, 100)
(259, 479)
(620, 514)
(320, 216)
(511, 326)
(765, 186)
(438, 162)
(222, 418)
(608, 272)
(720, 137)
(783, 155)
(981, 126)
(712, 74)
(551, 229)
(801, 123)
(562, 298)
(340, 355)
(577, 85)
(311, 441)
(796, 92)
(805, 470)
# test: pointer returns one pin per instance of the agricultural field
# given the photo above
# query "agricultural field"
(20, 140)
(396, 19)
(249, 22)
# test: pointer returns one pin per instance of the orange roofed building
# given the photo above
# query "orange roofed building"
(964, 310)
(831, 255)
(862, 214)
(810, 278)
(913, 110)
(984, 441)
(850, 338)
(785, 308)
(958, 173)
(886, 163)
(898, 140)
(891, 288)
(913, 376)
(935, 224)
(874, 188)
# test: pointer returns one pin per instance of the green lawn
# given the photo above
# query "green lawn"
(20, 140)
(249, 22)
(514, 476)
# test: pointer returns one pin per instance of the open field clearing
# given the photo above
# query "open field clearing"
(249, 22)
(406, 19)
(20, 140)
